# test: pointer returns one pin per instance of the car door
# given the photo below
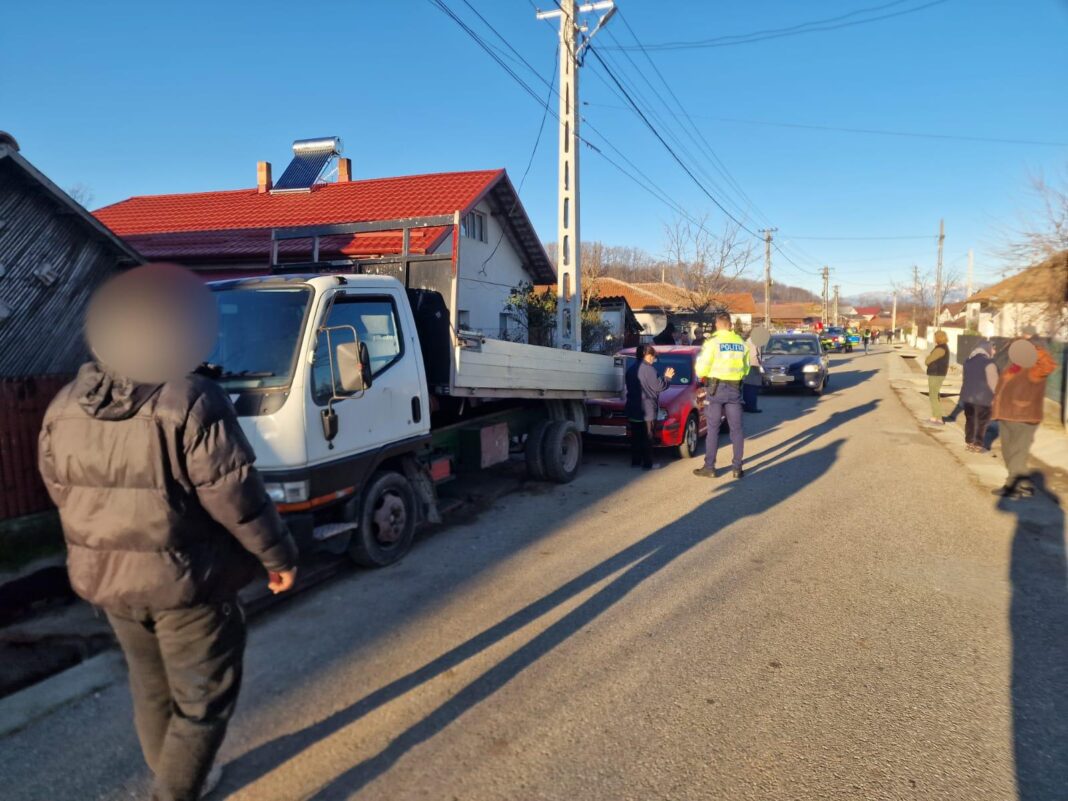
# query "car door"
(386, 412)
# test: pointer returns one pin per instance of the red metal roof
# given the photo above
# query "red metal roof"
(352, 201)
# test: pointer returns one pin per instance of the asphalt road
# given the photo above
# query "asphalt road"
(855, 619)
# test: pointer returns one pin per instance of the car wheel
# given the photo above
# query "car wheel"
(387, 521)
(819, 390)
(562, 451)
(534, 453)
(690, 438)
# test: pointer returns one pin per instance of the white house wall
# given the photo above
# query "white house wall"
(484, 286)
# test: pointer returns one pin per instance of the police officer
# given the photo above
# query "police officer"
(723, 365)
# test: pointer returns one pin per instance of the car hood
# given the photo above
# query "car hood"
(789, 361)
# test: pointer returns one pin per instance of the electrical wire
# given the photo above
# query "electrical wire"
(815, 26)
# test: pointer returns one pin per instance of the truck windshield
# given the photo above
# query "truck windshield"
(259, 331)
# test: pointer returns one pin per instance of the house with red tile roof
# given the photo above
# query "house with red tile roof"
(489, 241)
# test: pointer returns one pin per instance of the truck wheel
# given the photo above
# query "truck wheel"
(562, 451)
(690, 438)
(387, 521)
(535, 451)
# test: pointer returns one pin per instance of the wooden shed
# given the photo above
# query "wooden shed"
(53, 254)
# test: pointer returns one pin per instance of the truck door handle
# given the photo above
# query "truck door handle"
(417, 410)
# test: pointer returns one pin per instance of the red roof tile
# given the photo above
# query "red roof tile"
(354, 201)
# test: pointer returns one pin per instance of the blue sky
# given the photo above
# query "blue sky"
(141, 98)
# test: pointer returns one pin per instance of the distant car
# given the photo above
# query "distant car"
(836, 339)
(795, 361)
(853, 338)
(679, 422)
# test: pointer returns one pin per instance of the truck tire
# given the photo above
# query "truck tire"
(691, 437)
(562, 451)
(535, 452)
(387, 521)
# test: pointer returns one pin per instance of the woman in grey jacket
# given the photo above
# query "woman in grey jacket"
(977, 395)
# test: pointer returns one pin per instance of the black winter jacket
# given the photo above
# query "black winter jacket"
(160, 503)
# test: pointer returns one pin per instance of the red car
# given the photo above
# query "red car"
(679, 423)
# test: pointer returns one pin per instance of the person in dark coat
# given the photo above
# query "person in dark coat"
(977, 394)
(165, 518)
(644, 385)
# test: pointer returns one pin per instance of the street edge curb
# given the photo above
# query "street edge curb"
(19, 710)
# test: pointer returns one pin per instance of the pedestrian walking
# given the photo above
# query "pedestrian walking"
(164, 516)
(866, 336)
(753, 380)
(723, 364)
(643, 386)
(937, 368)
(875, 337)
(977, 394)
(1018, 407)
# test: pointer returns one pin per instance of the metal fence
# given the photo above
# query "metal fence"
(22, 406)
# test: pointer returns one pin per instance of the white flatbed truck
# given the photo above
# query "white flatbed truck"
(360, 395)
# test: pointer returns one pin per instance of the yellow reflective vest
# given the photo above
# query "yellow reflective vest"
(724, 356)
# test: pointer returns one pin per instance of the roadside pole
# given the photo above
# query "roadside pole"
(569, 245)
(767, 275)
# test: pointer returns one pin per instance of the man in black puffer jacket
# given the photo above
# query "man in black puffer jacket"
(165, 519)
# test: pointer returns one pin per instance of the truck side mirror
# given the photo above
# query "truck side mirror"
(353, 367)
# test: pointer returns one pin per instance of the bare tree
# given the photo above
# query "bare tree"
(81, 194)
(706, 264)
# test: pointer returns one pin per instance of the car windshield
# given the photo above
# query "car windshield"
(791, 346)
(259, 331)
(682, 362)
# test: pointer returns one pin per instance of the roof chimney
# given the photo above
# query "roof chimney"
(263, 177)
(344, 171)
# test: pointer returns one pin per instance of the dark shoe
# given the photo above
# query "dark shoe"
(738, 472)
(705, 472)
(1010, 490)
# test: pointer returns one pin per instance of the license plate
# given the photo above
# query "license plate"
(781, 379)
(609, 431)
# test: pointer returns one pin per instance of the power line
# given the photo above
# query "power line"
(864, 238)
(814, 26)
(867, 131)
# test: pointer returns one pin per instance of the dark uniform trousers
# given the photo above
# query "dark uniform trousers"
(726, 401)
(185, 673)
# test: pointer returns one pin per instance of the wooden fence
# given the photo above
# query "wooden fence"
(22, 406)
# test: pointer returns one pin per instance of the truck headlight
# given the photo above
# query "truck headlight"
(662, 414)
(288, 491)
(810, 368)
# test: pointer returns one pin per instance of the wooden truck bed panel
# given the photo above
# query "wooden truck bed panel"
(496, 368)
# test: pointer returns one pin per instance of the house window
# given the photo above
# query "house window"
(463, 320)
(507, 326)
(473, 226)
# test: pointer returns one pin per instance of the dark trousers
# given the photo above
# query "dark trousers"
(750, 393)
(976, 420)
(185, 673)
(641, 443)
(726, 401)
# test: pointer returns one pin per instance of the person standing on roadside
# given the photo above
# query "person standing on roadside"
(644, 386)
(1018, 407)
(723, 364)
(937, 368)
(866, 336)
(753, 380)
(164, 516)
(977, 394)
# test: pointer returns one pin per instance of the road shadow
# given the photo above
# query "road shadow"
(1039, 620)
(637, 562)
(809, 435)
(848, 379)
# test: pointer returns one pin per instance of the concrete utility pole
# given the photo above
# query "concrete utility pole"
(569, 246)
(767, 232)
(893, 315)
(938, 272)
(826, 278)
(834, 316)
(971, 273)
(915, 300)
